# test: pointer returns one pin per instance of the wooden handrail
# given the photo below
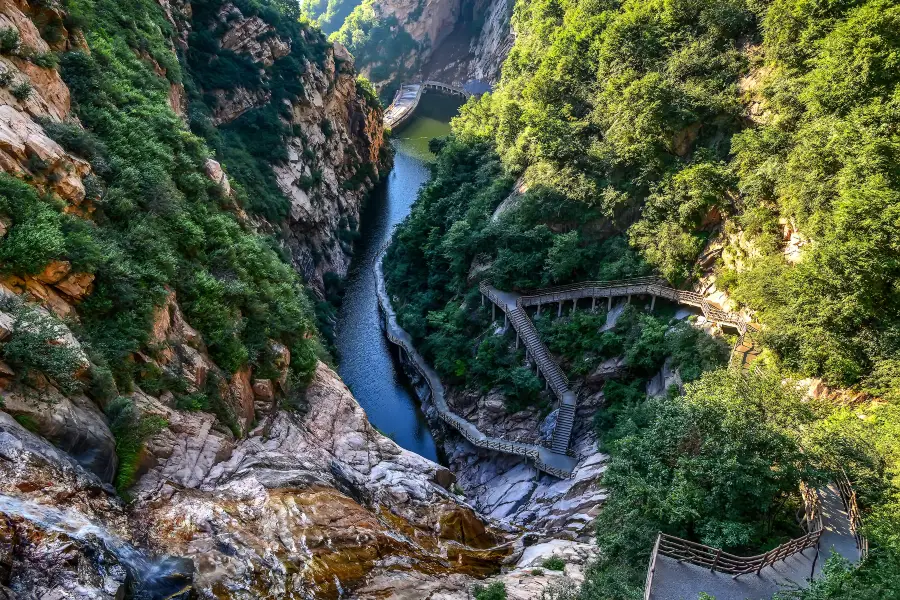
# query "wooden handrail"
(848, 495)
(648, 583)
(464, 427)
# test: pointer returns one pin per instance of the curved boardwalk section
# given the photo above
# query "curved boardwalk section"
(514, 307)
(408, 96)
(680, 569)
(558, 465)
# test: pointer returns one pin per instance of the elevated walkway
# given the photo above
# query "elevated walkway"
(514, 308)
(680, 570)
(408, 96)
(558, 465)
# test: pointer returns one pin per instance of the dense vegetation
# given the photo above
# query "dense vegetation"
(158, 225)
(329, 15)
(641, 129)
(255, 140)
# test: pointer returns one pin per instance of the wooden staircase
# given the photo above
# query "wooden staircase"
(562, 433)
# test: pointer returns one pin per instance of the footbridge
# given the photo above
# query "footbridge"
(514, 308)
(408, 96)
(556, 459)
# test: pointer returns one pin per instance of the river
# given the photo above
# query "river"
(368, 363)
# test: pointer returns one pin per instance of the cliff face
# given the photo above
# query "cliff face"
(316, 504)
(332, 148)
(242, 481)
(396, 41)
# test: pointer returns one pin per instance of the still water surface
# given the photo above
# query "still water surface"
(368, 362)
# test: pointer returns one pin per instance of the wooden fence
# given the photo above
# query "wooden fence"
(717, 559)
(848, 495)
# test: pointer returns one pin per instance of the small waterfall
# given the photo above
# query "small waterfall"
(155, 578)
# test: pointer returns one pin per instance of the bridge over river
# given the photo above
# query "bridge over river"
(408, 96)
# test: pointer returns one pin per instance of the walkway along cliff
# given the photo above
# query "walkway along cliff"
(555, 460)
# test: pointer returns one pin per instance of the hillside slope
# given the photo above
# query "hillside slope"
(745, 150)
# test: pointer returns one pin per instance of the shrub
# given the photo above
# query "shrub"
(9, 40)
(28, 422)
(131, 430)
(494, 591)
(46, 60)
(22, 91)
(38, 344)
(554, 563)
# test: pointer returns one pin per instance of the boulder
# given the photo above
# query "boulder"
(7, 323)
(54, 272)
(74, 425)
(76, 285)
(215, 172)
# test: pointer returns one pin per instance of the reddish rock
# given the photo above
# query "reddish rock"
(242, 394)
(77, 285)
(262, 389)
(54, 272)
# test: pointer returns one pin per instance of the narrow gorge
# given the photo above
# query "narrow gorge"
(449, 300)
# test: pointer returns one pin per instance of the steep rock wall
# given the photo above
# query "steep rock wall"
(333, 149)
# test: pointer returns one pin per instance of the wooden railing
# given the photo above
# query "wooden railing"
(447, 87)
(637, 286)
(397, 336)
(651, 570)
(554, 376)
(716, 559)
(848, 495)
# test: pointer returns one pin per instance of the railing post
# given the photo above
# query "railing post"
(762, 563)
(517, 340)
(505, 320)
(482, 299)
(716, 561)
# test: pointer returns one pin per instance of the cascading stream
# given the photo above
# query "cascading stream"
(154, 578)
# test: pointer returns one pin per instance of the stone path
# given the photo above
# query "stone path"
(674, 580)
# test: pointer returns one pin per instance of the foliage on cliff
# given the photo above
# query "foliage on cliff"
(638, 126)
(256, 139)
(159, 223)
(329, 15)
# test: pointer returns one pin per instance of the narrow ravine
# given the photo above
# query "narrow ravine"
(368, 362)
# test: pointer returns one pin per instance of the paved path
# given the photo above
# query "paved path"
(673, 580)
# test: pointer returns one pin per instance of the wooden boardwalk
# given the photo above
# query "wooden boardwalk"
(681, 570)
(558, 465)
(408, 96)
(514, 307)
(556, 459)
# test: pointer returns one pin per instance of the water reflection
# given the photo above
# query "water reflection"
(367, 360)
